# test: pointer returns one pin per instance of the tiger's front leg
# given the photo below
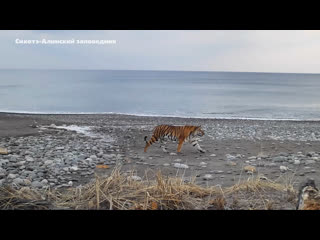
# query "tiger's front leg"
(195, 144)
(181, 141)
(163, 145)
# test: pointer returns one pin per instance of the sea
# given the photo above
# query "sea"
(190, 94)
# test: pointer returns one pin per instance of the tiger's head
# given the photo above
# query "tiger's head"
(198, 131)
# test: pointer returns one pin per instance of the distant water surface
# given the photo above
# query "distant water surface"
(164, 93)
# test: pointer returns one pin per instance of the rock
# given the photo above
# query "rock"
(93, 157)
(180, 165)
(59, 148)
(31, 167)
(177, 160)
(3, 172)
(94, 148)
(213, 155)
(54, 180)
(74, 168)
(279, 159)
(48, 162)
(21, 163)
(166, 164)
(135, 178)
(230, 157)
(203, 164)
(249, 169)
(29, 159)
(12, 176)
(53, 125)
(262, 155)
(1, 182)
(296, 162)
(70, 183)
(173, 154)
(14, 158)
(36, 184)
(252, 158)
(57, 161)
(34, 125)
(44, 181)
(3, 162)
(108, 156)
(217, 171)
(18, 181)
(283, 168)
(310, 162)
(27, 152)
(207, 177)
(272, 164)
(309, 154)
(3, 151)
(283, 154)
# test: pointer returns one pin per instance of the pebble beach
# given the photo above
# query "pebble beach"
(61, 151)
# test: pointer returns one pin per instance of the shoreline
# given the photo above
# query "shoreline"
(158, 116)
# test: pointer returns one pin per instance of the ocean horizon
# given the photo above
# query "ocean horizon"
(191, 94)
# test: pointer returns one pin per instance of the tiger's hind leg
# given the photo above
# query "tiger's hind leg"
(195, 144)
(150, 142)
(146, 147)
(163, 145)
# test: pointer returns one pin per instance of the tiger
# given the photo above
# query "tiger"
(186, 133)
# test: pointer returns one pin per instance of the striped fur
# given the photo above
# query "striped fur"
(182, 134)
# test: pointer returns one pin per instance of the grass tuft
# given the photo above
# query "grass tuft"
(119, 191)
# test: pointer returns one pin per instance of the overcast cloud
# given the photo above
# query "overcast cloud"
(245, 51)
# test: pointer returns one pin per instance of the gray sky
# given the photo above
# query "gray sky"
(230, 50)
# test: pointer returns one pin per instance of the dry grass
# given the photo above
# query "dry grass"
(262, 193)
(120, 192)
(24, 198)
